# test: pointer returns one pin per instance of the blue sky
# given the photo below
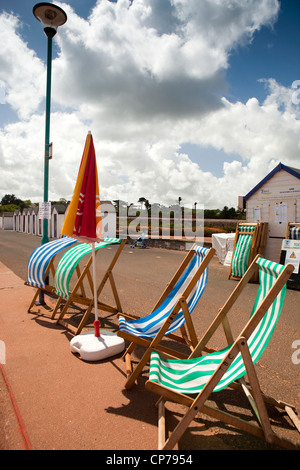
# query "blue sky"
(273, 53)
(182, 98)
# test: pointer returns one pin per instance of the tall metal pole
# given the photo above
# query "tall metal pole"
(45, 238)
(51, 16)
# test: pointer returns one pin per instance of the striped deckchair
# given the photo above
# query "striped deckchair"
(177, 380)
(172, 312)
(69, 264)
(293, 231)
(41, 264)
(244, 249)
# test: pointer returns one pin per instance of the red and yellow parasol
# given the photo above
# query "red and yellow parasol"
(83, 220)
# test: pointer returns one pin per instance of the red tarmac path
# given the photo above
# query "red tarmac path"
(64, 403)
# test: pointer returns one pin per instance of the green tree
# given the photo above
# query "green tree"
(228, 213)
(9, 208)
(10, 200)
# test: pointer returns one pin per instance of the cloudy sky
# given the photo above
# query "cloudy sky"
(195, 99)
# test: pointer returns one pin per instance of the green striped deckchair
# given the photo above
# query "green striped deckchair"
(69, 264)
(293, 232)
(177, 380)
(246, 238)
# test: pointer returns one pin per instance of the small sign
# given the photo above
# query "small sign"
(45, 210)
(280, 213)
(290, 244)
(293, 257)
(292, 249)
(256, 214)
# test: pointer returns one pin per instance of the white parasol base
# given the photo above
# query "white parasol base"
(92, 348)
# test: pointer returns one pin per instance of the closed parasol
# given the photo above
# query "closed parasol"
(84, 222)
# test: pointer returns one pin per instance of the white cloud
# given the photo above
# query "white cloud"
(144, 78)
(19, 69)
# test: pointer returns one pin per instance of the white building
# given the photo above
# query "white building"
(275, 200)
(58, 213)
(6, 221)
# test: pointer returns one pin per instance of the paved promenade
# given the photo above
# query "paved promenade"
(52, 400)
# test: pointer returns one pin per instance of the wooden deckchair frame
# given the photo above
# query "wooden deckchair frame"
(78, 293)
(254, 394)
(188, 334)
(48, 287)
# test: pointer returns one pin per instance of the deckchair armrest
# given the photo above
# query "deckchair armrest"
(128, 316)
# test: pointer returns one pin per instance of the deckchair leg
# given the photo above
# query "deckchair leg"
(129, 350)
(114, 290)
(34, 299)
(84, 318)
(64, 310)
(127, 358)
(138, 369)
(293, 417)
(128, 365)
(189, 323)
(250, 398)
(161, 424)
(261, 407)
(57, 305)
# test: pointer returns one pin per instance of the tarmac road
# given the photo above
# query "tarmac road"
(141, 275)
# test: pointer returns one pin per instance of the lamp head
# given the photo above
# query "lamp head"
(51, 16)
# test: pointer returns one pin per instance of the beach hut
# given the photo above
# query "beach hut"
(34, 220)
(275, 200)
(18, 220)
(58, 212)
(6, 220)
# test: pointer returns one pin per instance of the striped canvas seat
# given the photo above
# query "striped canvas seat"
(200, 375)
(150, 325)
(240, 258)
(70, 260)
(191, 375)
(171, 313)
(40, 259)
(295, 233)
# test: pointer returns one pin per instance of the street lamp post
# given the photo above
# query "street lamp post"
(51, 16)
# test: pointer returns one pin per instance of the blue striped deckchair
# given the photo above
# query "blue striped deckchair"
(245, 248)
(172, 312)
(68, 264)
(41, 263)
(177, 380)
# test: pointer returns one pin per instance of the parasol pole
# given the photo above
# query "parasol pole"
(96, 322)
